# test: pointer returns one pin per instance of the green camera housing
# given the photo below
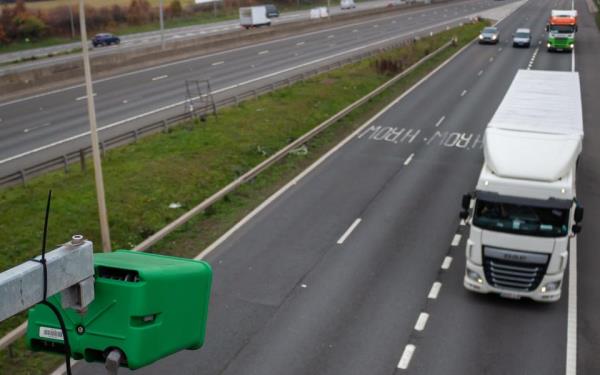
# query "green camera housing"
(147, 306)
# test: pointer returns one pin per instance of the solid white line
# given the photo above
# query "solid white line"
(456, 239)
(440, 121)
(571, 362)
(84, 97)
(406, 356)
(573, 60)
(263, 52)
(447, 262)
(421, 321)
(435, 290)
(120, 122)
(463, 93)
(409, 159)
(348, 231)
(160, 77)
(218, 63)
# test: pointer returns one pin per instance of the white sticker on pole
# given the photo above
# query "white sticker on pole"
(51, 333)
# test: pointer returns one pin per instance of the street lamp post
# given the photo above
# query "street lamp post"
(162, 25)
(104, 230)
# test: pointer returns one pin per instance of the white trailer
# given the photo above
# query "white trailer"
(524, 213)
(254, 17)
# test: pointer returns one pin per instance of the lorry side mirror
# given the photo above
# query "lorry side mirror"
(578, 214)
(466, 202)
(464, 215)
(547, 28)
(576, 228)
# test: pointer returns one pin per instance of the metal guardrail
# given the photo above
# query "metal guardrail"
(79, 156)
(18, 332)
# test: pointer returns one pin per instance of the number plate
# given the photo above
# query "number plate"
(510, 295)
(51, 333)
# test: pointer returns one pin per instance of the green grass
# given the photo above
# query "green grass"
(189, 164)
(22, 45)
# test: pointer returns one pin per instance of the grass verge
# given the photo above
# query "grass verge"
(191, 163)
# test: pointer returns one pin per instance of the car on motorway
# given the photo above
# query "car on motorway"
(489, 35)
(105, 39)
(347, 4)
(272, 11)
(522, 38)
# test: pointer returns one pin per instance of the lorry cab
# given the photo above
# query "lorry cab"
(561, 29)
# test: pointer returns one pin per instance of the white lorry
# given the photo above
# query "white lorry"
(254, 17)
(524, 213)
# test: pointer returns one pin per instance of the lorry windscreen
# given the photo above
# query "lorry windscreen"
(521, 219)
(562, 29)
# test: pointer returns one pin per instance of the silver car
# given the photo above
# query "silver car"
(522, 38)
(489, 35)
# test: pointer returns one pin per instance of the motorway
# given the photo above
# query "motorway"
(356, 266)
(127, 101)
(153, 37)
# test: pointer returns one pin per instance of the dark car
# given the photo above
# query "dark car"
(272, 11)
(489, 35)
(105, 39)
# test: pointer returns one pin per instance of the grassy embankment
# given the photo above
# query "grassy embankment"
(191, 163)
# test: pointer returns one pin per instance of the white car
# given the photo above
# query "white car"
(347, 4)
(522, 38)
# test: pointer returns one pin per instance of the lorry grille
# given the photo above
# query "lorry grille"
(515, 270)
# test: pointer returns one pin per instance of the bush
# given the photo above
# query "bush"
(29, 26)
(139, 12)
(175, 8)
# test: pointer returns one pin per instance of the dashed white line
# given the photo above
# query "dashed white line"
(409, 350)
(375, 26)
(421, 321)
(437, 124)
(435, 290)
(84, 97)
(37, 127)
(480, 73)
(491, 59)
(456, 239)
(409, 159)
(463, 93)
(348, 231)
(447, 262)
(355, 31)
(300, 43)
(330, 36)
(218, 63)
(160, 77)
(394, 21)
(263, 52)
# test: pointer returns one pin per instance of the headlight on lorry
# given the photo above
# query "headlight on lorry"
(474, 276)
(550, 287)
(548, 45)
(571, 45)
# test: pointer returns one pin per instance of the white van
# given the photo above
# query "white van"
(347, 4)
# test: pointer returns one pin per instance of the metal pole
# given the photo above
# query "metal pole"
(70, 6)
(104, 230)
(162, 25)
(328, 9)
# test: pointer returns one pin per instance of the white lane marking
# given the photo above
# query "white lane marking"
(160, 77)
(348, 231)
(500, 49)
(409, 159)
(218, 63)
(571, 362)
(330, 36)
(447, 262)
(480, 73)
(435, 290)
(456, 239)
(437, 124)
(463, 93)
(409, 350)
(421, 321)
(263, 52)
(375, 26)
(84, 97)
(355, 31)
(303, 285)
(300, 43)
(37, 127)
(532, 60)
(573, 60)
(125, 101)
(394, 21)
(491, 58)
(209, 249)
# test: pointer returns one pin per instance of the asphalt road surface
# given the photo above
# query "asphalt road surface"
(128, 101)
(363, 256)
(153, 37)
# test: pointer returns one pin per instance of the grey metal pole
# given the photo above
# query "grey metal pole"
(104, 230)
(70, 6)
(162, 25)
